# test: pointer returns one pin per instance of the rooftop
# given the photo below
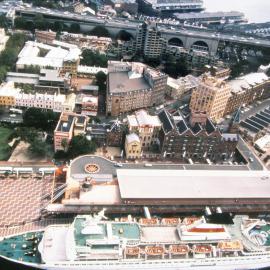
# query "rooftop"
(245, 82)
(120, 82)
(142, 118)
(192, 184)
(133, 137)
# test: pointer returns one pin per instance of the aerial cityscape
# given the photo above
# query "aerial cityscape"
(134, 134)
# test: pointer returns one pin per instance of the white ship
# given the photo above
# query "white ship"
(92, 243)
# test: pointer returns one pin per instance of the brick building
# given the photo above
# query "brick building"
(194, 137)
(131, 86)
(211, 97)
(247, 89)
(69, 125)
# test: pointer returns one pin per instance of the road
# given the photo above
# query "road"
(255, 109)
(245, 150)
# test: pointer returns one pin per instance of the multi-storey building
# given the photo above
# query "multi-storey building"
(153, 42)
(46, 37)
(176, 88)
(131, 86)
(246, 89)
(8, 94)
(11, 96)
(133, 146)
(146, 126)
(110, 134)
(211, 97)
(69, 125)
(87, 104)
(64, 60)
(194, 137)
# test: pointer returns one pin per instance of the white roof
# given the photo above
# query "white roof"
(142, 118)
(64, 44)
(247, 81)
(264, 142)
(40, 61)
(91, 70)
(8, 90)
(132, 137)
(189, 184)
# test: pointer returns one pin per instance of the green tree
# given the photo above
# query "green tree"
(75, 28)
(100, 31)
(20, 23)
(64, 144)
(3, 72)
(45, 120)
(58, 26)
(101, 78)
(40, 23)
(3, 21)
(124, 35)
(38, 148)
(79, 145)
(91, 58)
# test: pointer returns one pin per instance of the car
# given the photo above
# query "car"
(118, 165)
(12, 115)
(250, 159)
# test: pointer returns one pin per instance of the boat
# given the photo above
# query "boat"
(92, 242)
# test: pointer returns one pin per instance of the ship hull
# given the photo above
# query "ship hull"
(232, 263)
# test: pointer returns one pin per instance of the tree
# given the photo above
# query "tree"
(124, 35)
(45, 120)
(101, 78)
(3, 21)
(58, 26)
(100, 31)
(64, 144)
(3, 72)
(79, 145)
(75, 28)
(91, 58)
(20, 23)
(40, 23)
(176, 68)
(38, 148)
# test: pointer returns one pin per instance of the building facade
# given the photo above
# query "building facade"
(69, 125)
(131, 86)
(247, 89)
(146, 126)
(194, 137)
(211, 97)
(46, 37)
(133, 146)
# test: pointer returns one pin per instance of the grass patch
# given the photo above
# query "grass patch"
(5, 149)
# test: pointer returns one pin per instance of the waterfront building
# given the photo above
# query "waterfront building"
(211, 97)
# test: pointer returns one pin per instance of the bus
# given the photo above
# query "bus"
(13, 110)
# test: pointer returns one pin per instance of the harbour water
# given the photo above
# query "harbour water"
(255, 10)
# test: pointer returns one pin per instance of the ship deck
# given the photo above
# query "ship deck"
(22, 247)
